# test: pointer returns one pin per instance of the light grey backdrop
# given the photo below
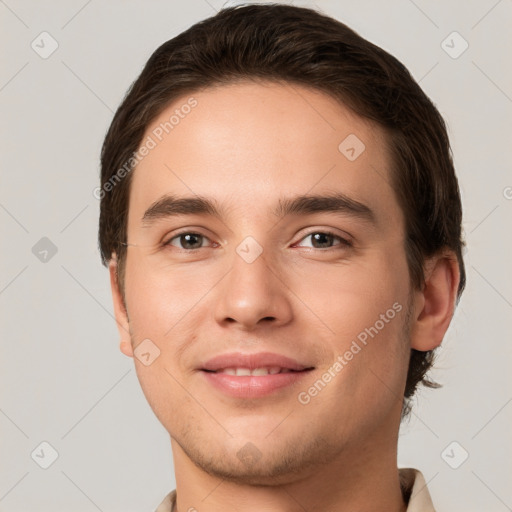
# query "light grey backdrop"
(63, 379)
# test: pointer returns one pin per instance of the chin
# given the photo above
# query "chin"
(259, 462)
(264, 472)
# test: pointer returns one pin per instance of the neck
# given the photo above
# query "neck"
(359, 479)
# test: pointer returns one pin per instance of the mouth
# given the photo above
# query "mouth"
(253, 375)
(258, 372)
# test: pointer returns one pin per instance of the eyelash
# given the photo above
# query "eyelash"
(343, 242)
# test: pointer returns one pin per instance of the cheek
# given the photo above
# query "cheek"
(159, 298)
(351, 296)
(363, 380)
(164, 395)
(364, 305)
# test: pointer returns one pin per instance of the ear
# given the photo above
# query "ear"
(120, 312)
(435, 303)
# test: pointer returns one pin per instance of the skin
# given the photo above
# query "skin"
(246, 145)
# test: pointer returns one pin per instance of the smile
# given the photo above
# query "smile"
(247, 372)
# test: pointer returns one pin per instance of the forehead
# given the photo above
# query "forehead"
(245, 143)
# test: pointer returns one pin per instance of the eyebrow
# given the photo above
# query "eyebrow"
(170, 206)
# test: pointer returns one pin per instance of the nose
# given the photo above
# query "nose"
(253, 294)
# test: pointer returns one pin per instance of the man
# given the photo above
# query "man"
(282, 225)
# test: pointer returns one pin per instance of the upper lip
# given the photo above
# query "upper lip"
(252, 361)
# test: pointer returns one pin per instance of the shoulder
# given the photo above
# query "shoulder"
(168, 502)
(415, 491)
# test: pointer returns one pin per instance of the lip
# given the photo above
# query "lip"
(253, 386)
(251, 361)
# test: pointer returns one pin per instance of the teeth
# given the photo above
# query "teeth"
(260, 371)
(245, 372)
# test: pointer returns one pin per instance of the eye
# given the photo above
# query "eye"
(187, 241)
(325, 240)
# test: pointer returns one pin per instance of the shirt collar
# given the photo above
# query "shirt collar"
(412, 482)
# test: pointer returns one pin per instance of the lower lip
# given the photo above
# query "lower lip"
(253, 386)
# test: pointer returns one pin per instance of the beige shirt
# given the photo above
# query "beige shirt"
(413, 484)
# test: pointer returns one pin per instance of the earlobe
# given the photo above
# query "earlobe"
(435, 302)
(126, 348)
(120, 312)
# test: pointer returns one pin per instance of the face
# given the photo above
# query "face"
(274, 285)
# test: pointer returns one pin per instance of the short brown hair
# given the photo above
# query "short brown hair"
(299, 46)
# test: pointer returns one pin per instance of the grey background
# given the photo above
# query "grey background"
(62, 377)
